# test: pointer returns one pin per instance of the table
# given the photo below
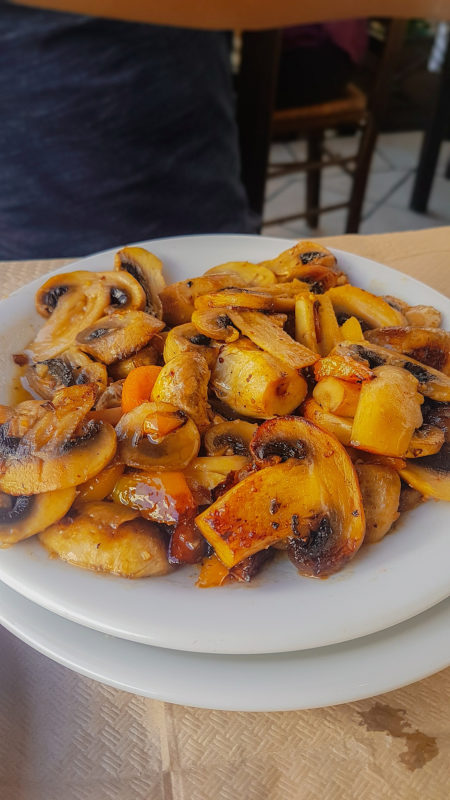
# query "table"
(65, 736)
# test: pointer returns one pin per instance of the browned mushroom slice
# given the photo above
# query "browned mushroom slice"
(430, 346)
(416, 316)
(432, 383)
(425, 441)
(178, 299)
(260, 329)
(109, 538)
(254, 383)
(302, 254)
(187, 339)
(118, 335)
(125, 292)
(157, 436)
(50, 293)
(214, 324)
(69, 369)
(306, 491)
(58, 448)
(380, 489)
(24, 516)
(257, 299)
(146, 268)
(252, 274)
(365, 306)
(430, 475)
(183, 382)
(74, 311)
(148, 355)
(111, 397)
(229, 438)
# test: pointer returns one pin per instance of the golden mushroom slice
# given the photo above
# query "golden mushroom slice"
(215, 324)
(432, 383)
(430, 346)
(369, 308)
(26, 515)
(148, 355)
(118, 335)
(157, 436)
(50, 293)
(426, 441)
(187, 339)
(255, 383)
(70, 368)
(303, 253)
(229, 438)
(306, 492)
(380, 488)
(178, 299)
(54, 447)
(183, 382)
(260, 329)
(388, 412)
(237, 298)
(430, 475)
(339, 426)
(146, 269)
(75, 310)
(109, 538)
(252, 274)
(416, 316)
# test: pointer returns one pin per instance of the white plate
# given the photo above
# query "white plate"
(385, 584)
(279, 682)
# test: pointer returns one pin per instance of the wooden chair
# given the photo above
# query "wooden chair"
(355, 108)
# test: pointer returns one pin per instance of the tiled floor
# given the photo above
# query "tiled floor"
(388, 192)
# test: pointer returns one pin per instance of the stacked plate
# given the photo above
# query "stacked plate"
(283, 642)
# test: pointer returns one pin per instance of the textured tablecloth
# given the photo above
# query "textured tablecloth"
(65, 737)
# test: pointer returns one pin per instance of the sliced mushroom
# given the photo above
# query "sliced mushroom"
(70, 368)
(148, 355)
(416, 316)
(430, 475)
(339, 426)
(430, 346)
(252, 274)
(183, 382)
(254, 383)
(155, 450)
(178, 299)
(380, 488)
(207, 472)
(260, 329)
(187, 339)
(214, 324)
(432, 383)
(307, 492)
(111, 397)
(229, 438)
(118, 335)
(302, 254)
(257, 299)
(365, 306)
(145, 268)
(50, 293)
(24, 516)
(337, 396)
(74, 311)
(108, 538)
(426, 441)
(101, 485)
(57, 448)
(388, 412)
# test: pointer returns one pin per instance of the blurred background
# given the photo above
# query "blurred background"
(384, 113)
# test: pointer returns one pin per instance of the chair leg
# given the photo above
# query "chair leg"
(314, 144)
(364, 160)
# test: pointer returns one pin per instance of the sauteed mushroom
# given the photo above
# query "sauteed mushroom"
(252, 274)
(56, 448)
(416, 316)
(365, 306)
(117, 290)
(183, 381)
(430, 346)
(148, 355)
(118, 335)
(157, 436)
(23, 516)
(229, 438)
(106, 537)
(214, 324)
(432, 383)
(178, 299)
(70, 368)
(145, 268)
(187, 339)
(430, 475)
(323, 520)
(380, 489)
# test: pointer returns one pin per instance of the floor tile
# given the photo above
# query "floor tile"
(401, 150)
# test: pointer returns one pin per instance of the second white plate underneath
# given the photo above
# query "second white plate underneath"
(278, 682)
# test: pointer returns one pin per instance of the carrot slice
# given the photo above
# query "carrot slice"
(138, 386)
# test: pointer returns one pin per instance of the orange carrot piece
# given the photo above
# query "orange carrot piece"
(159, 424)
(138, 386)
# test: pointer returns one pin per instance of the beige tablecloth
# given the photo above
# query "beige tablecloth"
(65, 737)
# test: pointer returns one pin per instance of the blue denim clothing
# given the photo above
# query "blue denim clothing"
(112, 132)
